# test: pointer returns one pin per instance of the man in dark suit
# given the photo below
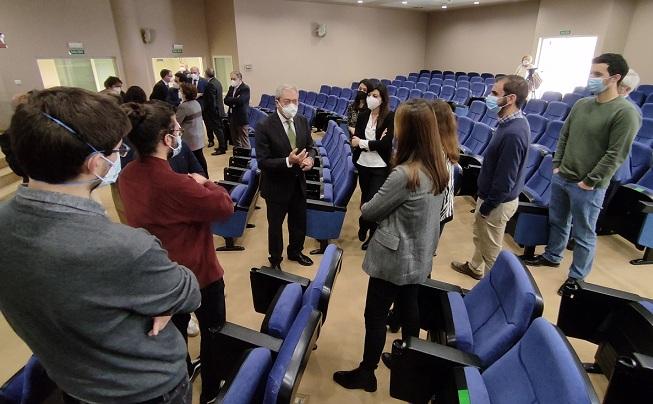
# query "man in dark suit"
(238, 101)
(160, 90)
(213, 112)
(284, 150)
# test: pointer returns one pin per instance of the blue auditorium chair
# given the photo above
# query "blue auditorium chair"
(639, 160)
(247, 383)
(428, 95)
(354, 85)
(309, 113)
(424, 80)
(549, 138)
(347, 93)
(571, 98)
(461, 110)
(647, 111)
(437, 81)
(320, 101)
(459, 74)
(649, 99)
(450, 76)
(477, 89)
(549, 96)
(476, 79)
(477, 140)
(393, 102)
(487, 75)
(556, 111)
(408, 84)
(311, 97)
(638, 97)
(489, 81)
(413, 74)
(330, 103)
(255, 116)
(645, 134)
(465, 126)
(415, 94)
(264, 103)
(538, 125)
(473, 74)
(449, 82)
(435, 72)
(324, 89)
(302, 95)
(647, 89)
(424, 71)
(402, 93)
(462, 77)
(476, 110)
(335, 91)
(499, 75)
(386, 82)
(536, 154)
(30, 385)
(535, 106)
(461, 96)
(435, 88)
(447, 93)
(392, 90)
(411, 79)
(400, 78)
(463, 84)
(488, 89)
(422, 86)
(490, 118)
(397, 83)
(449, 72)
(582, 91)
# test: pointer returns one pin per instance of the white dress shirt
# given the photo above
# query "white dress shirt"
(369, 158)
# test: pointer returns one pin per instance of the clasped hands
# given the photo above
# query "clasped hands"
(300, 158)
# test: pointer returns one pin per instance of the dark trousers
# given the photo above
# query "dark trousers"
(214, 130)
(181, 394)
(199, 155)
(380, 295)
(211, 316)
(239, 134)
(370, 181)
(295, 208)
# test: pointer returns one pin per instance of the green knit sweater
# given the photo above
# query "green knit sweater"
(596, 139)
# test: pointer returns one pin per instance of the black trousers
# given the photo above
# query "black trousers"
(214, 130)
(295, 208)
(199, 155)
(370, 180)
(181, 394)
(380, 295)
(211, 316)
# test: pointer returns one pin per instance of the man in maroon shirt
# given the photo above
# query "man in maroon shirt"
(178, 209)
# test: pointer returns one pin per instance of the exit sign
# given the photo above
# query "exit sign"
(567, 32)
(177, 48)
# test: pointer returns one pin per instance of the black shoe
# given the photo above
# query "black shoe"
(211, 144)
(301, 259)
(570, 286)
(218, 152)
(464, 269)
(194, 370)
(386, 358)
(540, 261)
(356, 379)
(362, 234)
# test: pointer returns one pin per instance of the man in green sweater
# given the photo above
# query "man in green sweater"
(594, 141)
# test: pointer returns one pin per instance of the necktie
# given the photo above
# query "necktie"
(291, 134)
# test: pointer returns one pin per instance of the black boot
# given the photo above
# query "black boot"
(358, 378)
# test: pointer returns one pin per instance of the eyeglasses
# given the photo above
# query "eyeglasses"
(122, 151)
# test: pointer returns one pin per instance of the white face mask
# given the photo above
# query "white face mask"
(233, 83)
(116, 90)
(373, 102)
(112, 175)
(289, 111)
(194, 76)
(177, 149)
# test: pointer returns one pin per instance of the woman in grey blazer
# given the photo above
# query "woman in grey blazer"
(400, 253)
(189, 116)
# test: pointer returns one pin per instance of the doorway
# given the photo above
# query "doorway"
(564, 63)
(76, 72)
(175, 65)
(224, 65)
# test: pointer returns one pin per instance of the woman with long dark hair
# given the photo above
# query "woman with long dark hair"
(400, 254)
(358, 105)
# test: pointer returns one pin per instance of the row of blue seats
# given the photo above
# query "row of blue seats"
(643, 94)
(422, 85)
(459, 96)
(647, 110)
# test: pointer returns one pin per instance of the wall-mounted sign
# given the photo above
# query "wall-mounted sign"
(3, 44)
(565, 33)
(176, 48)
(75, 48)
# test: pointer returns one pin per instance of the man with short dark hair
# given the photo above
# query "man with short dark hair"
(213, 112)
(91, 298)
(160, 90)
(594, 141)
(502, 174)
(112, 85)
(238, 101)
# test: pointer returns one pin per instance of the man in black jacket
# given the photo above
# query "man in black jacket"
(238, 101)
(213, 111)
(160, 90)
(284, 150)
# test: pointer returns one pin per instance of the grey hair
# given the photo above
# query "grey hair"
(283, 88)
(238, 74)
(631, 80)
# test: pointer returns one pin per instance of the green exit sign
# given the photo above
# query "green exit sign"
(76, 51)
(567, 32)
(177, 51)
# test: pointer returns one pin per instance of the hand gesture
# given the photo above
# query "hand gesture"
(385, 132)
(198, 178)
(584, 187)
(355, 141)
(158, 324)
(307, 164)
(296, 157)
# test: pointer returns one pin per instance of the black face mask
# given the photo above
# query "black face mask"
(361, 96)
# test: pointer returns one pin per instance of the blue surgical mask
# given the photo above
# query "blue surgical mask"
(596, 85)
(112, 175)
(492, 102)
(177, 149)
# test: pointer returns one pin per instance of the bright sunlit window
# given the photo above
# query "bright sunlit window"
(564, 63)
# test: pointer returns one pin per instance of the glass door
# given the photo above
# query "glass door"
(76, 72)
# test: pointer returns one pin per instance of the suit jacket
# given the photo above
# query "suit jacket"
(272, 147)
(401, 250)
(239, 103)
(381, 146)
(160, 91)
(212, 107)
(201, 87)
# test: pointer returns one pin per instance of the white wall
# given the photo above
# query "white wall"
(638, 46)
(276, 37)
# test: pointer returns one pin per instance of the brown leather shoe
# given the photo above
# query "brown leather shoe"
(465, 269)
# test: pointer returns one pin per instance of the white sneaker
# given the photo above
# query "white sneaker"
(193, 329)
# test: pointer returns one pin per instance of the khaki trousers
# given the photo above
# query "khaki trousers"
(488, 234)
(239, 135)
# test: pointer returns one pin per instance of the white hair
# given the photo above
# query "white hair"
(283, 88)
(631, 80)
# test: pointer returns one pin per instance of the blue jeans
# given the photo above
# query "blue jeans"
(571, 203)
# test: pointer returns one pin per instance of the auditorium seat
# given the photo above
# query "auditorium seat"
(582, 91)
(397, 83)
(354, 85)
(400, 78)
(461, 96)
(302, 95)
(538, 125)
(386, 82)
(435, 88)
(437, 81)
(556, 111)
(402, 93)
(246, 385)
(320, 101)
(394, 103)
(408, 84)
(459, 74)
(477, 89)
(449, 82)
(638, 97)
(462, 77)
(487, 76)
(437, 76)
(647, 89)
(422, 86)
(428, 95)
(549, 96)
(447, 92)
(424, 80)
(311, 97)
(476, 110)
(450, 76)
(462, 84)
(335, 91)
(415, 94)
(535, 106)
(571, 98)
(647, 111)
(449, 72)
(645, 134)
(435, 72)
(392, 90)
(477, 140)
(465, 126)
(411, 79)
(30, 385)
(536, 154)
(639, 160)
(490, 118)
(347, 93)
(549, 138)
(489, 81)
(476, 79)
(324, 89)
(472, 75)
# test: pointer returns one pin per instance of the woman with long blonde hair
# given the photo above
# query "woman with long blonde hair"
(400, 253)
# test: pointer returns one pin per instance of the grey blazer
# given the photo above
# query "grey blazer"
(189, 116)
(401, 250)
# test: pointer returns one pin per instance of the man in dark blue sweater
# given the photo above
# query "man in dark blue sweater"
(502, 174)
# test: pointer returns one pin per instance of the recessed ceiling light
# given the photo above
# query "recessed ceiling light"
(444, 6)
(404, 2)
(477, 2)
(360, 2)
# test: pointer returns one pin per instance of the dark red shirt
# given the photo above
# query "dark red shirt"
(178, 211)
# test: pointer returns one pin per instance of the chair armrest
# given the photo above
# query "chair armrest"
(631, 379)
(265, 283)
(228, 185)
(242, 152)
(528, 207)
(647, 207)
(324, 206)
